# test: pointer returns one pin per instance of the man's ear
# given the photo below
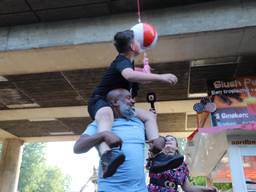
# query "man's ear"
(115, 102)
(132, 46)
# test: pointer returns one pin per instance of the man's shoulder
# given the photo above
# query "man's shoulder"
(91, 128)
(136, 119)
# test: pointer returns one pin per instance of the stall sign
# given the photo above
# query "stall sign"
(235, 100)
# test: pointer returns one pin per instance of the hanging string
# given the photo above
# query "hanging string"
(138, 6)
(146, 66)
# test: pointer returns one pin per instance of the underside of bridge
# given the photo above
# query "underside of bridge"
(48, 69)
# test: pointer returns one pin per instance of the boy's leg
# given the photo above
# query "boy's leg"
(161, 161)
(111, 159)
(151, 127)
(104, 118)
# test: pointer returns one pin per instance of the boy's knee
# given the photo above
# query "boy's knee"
(148, 115)
(104, 113)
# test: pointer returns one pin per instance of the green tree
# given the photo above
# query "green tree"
(223, 186)
(59, 182)
(36, 175)
(32, 167)
(200, 180)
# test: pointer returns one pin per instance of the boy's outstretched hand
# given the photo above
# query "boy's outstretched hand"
(169, 78)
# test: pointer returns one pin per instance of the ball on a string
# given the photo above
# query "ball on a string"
(210, 107)
(145, 34)
(198, 107)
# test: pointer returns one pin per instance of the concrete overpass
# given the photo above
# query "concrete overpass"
(48, 69)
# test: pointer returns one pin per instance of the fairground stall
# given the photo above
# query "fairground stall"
(223, 147)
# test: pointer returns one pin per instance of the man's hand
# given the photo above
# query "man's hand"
(153, 111)
(111, 139)
(169, 78)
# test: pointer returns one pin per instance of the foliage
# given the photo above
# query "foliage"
(36, 175)
(54, 181)
(202, 181)
(223, 186)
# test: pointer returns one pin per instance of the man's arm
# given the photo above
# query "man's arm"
(140, 77)
(86, 142)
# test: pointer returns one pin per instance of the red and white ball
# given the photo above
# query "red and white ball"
(145, 34)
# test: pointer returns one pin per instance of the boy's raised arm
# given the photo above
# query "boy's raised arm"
(140, 77)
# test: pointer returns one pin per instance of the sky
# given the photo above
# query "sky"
(79, 167)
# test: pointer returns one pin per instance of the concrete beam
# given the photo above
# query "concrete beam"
(212, 16)
(75, 137)
(6, 135)
(49, 138)
(185, 106)
(177, 134)
(169, 49)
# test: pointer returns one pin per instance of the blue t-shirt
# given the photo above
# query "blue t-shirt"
(130, 176)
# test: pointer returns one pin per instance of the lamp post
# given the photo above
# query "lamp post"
(92, 179)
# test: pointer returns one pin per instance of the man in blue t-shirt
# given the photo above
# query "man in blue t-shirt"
(130, 176)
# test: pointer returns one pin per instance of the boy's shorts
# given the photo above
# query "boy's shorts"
(95, 103)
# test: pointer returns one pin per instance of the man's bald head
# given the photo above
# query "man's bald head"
(115, 95)
(122, 103)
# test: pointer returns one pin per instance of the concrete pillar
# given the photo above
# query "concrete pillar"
(10, 164)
